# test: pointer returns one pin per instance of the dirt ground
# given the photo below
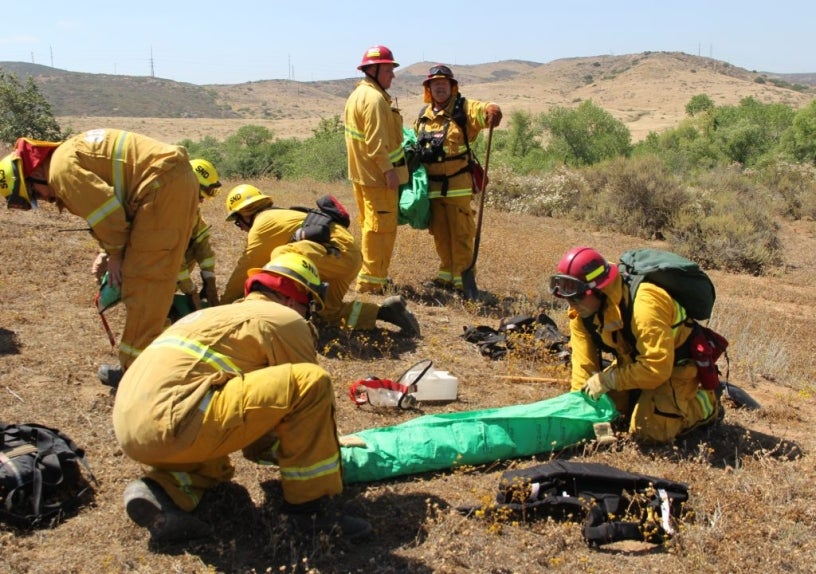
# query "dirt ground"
(751, 478)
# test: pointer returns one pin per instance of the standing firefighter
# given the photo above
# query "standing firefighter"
(376, 165)
(139, 197)
(229, 378)
(445, 129)
(660, 395)
(327, 243)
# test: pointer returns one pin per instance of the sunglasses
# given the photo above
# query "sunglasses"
(568, 287)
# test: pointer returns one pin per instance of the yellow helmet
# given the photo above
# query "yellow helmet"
(13, 185)
(207, 177)
(242, 196)
(299, 269)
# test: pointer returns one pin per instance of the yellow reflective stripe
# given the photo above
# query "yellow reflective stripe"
(201, 352)
(451, 193)
(705, 403)
(371, 279)
(354, 314)
(183, 275)
(680, 314)
(185, 485)
(354, 134)
(207, 263)
(445, 276)
(104, 210)
(593, 274)
(322, 468)
(396, 155)
(129, 350)
(205, 233)
(118, 166)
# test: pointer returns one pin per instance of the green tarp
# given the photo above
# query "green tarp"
(438, 442)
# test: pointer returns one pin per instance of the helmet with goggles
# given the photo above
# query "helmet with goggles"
(208, 182)
(439, 71)
(581, 271)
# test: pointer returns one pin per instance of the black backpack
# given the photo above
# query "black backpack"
(40, 478)
(612, 504)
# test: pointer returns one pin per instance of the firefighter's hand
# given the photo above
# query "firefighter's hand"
(494, 115)
(195, 300)
(115, 270)
(210, 291)
(99, 266)
(392, 179)
(599, 384)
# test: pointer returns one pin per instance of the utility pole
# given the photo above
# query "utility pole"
(51, 49)
(152, 69)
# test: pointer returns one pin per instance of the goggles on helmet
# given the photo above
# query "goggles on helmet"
(568, 287)
(440, 71)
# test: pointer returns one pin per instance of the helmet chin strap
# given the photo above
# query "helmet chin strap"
(375, 75)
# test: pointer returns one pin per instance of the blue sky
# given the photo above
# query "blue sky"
(236, 41)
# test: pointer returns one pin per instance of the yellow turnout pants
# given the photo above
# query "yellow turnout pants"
(377, 207)
(454, 231)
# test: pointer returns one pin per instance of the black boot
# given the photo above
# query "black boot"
(394, 310)
(321, 517)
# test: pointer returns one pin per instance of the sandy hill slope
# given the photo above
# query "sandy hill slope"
(647, 91)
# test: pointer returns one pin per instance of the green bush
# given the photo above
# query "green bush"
(727, 224)
(793, 188)
(638, 197)
(552, 194)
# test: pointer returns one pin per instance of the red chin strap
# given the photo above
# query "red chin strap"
(279, 283)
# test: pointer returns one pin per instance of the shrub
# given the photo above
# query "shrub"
(637, 197)
(552, 194)
(793, 188)
(726, 225)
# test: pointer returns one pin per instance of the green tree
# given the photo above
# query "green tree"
(24, 111)
(521, 134)
(585, 135)
(698, 104)
(799, 141)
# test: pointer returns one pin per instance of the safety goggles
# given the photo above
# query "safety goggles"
(568, 287)
(440, 71)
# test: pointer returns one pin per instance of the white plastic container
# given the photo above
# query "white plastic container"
(437, 386)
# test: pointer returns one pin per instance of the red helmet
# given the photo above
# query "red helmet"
(586, 268)
(377, 55)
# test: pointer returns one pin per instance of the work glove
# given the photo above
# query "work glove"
(100, 266)
(210, 291)
(599, 384)
(494, 115)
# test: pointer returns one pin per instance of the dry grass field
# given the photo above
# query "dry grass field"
(752, 478)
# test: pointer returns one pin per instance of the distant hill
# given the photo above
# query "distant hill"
(647, 91)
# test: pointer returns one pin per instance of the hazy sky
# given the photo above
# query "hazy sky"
(235, 41)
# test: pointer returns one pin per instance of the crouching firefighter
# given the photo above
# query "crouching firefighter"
(228, 378)
(321, 234)
(659, 395)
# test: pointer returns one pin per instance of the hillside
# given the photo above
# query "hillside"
(647, 91)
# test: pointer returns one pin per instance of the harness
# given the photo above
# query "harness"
(430, 144)
(681, 353)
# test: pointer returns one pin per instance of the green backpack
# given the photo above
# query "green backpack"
(681, 278)
(414, 204)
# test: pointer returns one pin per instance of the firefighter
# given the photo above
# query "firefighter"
(659, 397)
(337, 257)
(445, 129)
(199, 251)
(139, 197)
(228, 378)
(376, 165)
